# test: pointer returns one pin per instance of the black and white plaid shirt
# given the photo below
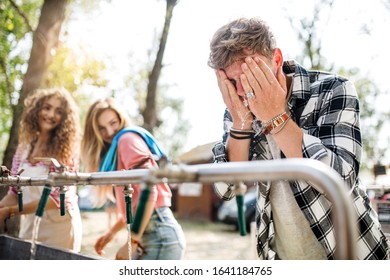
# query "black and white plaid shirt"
(326, 107)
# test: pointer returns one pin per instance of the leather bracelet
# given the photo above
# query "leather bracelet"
(280, 128)
(242, 131)
(241, 137)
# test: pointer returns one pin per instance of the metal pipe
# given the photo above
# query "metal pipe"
(75, 178)
(326, 180)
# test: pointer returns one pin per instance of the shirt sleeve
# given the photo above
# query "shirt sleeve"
(224, 190)
(335, 138)
(133, 152)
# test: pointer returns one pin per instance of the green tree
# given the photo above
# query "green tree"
(44, 41)
(16, 25)
(309, 30)
(76, 70)
(149, 112)
(73, 69)
(51, 63)
(157, 111)
(156, 103)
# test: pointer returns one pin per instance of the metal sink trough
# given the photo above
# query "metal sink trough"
(12, 248)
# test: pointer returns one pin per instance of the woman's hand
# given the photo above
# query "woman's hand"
(4, 214)
(102, 242)
(123, 252)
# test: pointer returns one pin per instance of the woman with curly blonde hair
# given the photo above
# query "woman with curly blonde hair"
(49, 128)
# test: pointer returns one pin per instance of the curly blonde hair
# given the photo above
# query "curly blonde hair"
(64, 140)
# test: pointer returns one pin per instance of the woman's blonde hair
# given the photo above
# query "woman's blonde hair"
(63, 143)
(93, 147)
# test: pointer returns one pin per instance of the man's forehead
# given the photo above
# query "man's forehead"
(237, 62)
(234, 68)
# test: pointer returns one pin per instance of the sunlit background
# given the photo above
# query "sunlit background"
(122, 37)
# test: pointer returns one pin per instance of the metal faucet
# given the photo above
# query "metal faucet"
(62, 170)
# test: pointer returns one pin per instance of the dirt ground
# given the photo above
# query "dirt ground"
(205, 241)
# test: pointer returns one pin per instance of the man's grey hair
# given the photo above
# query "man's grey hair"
(238, 39)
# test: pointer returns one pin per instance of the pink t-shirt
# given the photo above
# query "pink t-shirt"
(132, 150)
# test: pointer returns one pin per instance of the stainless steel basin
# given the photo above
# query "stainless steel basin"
(12, 248)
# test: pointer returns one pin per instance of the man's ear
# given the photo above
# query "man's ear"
(278, 57)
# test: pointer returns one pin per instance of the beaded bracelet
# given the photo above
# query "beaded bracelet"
(280, 128)
(275, 122)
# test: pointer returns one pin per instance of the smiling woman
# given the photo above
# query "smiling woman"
(109, 144)
(49, 128)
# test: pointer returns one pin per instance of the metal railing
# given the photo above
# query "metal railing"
(327, 181)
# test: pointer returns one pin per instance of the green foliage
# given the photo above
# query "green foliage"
(174, 128)
(75, 69)
(15, 34)
(372, 122)
(72, 69)
(309, 34)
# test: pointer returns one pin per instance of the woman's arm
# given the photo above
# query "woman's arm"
(132, 150)
(9, 207)
(122, 253)
(108, 236)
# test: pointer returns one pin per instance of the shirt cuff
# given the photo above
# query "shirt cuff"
(313, 148)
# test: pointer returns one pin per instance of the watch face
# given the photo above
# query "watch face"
(219, 149)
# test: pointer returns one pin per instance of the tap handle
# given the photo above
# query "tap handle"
(62, 204)
(139, 213)
(241, 214)
(58, 166)
(4, 171)
(129, 215)
(240, 190)
(20, 199)
(43, 201)
(128, 191)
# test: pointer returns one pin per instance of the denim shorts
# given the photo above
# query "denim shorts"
(163, 238)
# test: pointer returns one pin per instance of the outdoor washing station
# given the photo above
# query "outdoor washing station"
(322, 177)
(12, 248)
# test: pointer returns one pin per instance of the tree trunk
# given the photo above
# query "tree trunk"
(149, 113)
(45, 39)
